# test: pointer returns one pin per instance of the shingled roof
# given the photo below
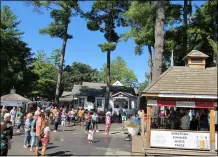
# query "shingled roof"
(185, 80)
(98, 89)
(196, 53)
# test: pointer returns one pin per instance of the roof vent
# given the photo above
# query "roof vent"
(195, 59)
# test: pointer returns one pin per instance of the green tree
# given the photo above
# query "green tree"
(201, 34)
(105, 16)
(60, 12)
(143, 85)
(141, 17)
(119, 72)
(78, 73)
(16, 57)
(47, 73)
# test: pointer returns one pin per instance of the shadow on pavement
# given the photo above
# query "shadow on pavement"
(95, 141)
(51, 147)
(60, 153)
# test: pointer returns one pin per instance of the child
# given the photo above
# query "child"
(63, 120)
(107, 123)
(90, 135)
(33, 132)
(4, 140)
(123, 119)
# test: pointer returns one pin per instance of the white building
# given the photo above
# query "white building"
(92, 96)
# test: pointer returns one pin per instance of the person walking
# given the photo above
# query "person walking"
(95, 122)
(107, 123)
(27, 129)
(19, 119)
(90, 135)
(72, 115)
(88, 121)
(56, 122)
(46, 137)
(81, 116)
(8, 129)
(124, 118)
(13, 115)
(40, 124)
(33, 132)
(63, 120)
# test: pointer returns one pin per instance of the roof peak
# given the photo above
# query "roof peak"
(196, 53)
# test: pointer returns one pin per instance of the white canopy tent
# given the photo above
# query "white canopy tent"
(14, 99)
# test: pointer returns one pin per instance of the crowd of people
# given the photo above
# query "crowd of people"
(37, 125)
(185, 119)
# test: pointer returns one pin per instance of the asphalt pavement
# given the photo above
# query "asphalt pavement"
(73, 141)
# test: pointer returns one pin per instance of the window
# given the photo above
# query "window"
(99, 102)
(75, 101)
(196, 60)
(81, 102)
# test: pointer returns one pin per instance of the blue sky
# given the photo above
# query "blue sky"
(84, 46)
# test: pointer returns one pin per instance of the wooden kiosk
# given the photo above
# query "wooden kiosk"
(192, 87)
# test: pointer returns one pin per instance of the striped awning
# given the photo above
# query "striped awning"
(183, 104)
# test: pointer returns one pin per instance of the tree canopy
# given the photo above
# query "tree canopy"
(78, 73)
(119, 72)
(16, 57)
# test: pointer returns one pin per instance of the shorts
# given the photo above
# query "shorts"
(38, 141)
(80, 119)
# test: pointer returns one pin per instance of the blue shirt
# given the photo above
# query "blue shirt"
(27, 125)
(33, 125)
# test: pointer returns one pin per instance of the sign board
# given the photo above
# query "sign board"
(11, 103)
(216, 141)
(180, 140)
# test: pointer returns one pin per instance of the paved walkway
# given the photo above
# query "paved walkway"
(73, 141)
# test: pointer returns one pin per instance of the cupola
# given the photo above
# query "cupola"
(195, 59)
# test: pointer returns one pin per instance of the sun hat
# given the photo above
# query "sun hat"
(7, 115)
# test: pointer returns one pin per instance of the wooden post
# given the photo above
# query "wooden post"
(143, 124)
(212, 130)
(148, 128)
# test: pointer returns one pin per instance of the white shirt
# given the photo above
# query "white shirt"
(185, 122)
(47, 130)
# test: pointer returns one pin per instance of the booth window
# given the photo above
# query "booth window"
(182, 119)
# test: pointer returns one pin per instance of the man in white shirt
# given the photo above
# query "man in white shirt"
(13, 115)
(185, 121)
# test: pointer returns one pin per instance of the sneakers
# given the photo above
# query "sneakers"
(25, 146)
(97, 131)
(18, 130)
(55, 130)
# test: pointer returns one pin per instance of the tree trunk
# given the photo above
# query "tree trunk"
(158, 48)
(60, 69)
(215, 30)
(185, 25)
(107, 96)
(150, 62)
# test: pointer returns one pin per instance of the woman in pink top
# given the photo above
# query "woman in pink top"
(107, 123)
